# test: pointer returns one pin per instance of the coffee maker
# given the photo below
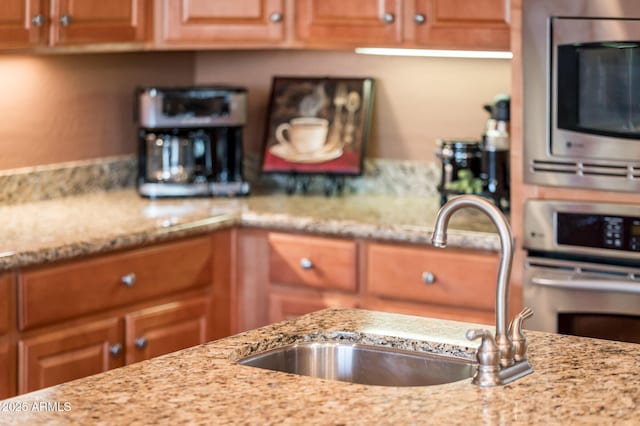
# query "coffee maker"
(495, 168)
(190, 141)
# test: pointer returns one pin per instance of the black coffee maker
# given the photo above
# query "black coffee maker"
(190, 141)
(495, 168)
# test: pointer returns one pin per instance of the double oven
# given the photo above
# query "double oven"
(581, 62)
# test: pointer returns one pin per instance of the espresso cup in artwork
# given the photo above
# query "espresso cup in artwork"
(305, 134)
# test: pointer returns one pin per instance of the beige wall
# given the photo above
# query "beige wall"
(73, 107)
(418, 100)
(57, 108)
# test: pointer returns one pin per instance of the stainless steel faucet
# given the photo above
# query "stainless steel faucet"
(505, 367)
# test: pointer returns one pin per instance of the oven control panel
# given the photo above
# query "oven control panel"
(598, 229)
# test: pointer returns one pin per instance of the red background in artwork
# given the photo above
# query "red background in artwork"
(347, 163)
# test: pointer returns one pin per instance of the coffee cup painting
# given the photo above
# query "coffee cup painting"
(317, 125)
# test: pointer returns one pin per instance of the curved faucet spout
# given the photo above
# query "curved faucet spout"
(439, 239)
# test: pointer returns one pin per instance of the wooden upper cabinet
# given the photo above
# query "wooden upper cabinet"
(213, 21)
(22, 23)
(97, 21)
(459, 24)
(353, 22)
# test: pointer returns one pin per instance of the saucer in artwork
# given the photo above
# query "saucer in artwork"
(326, 153)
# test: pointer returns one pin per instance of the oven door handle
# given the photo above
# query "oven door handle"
(622, 286)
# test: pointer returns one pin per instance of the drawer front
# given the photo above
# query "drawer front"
(312, 261)
(6, 303)
(67, 291)
(438, 276)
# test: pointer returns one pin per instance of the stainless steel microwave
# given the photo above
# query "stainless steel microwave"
(581, 62)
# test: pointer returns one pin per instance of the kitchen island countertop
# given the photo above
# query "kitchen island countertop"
(576, 381)
(45, 231)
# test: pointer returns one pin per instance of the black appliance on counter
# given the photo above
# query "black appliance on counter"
(190, 141)
(479, 167)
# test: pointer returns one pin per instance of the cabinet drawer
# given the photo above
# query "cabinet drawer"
(6, 302)
(459, 278)
(73, 289)
(312, 261)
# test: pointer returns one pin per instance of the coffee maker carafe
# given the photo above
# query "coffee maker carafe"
(190, 141)
(495, 146)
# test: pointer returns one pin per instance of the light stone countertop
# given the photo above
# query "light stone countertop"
(63, 228)
(576, 381)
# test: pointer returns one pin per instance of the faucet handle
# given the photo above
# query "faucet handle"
(517, 336)
(488, 356)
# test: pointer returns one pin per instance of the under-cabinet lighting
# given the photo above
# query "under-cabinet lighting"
(431, 53)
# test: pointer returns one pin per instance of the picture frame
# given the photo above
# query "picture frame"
(317, 125)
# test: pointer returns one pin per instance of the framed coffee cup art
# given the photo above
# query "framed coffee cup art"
(317, 125)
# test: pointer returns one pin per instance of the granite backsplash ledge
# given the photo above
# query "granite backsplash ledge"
(380, 176)
(66, 179)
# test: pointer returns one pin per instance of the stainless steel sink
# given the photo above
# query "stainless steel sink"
(363, 364)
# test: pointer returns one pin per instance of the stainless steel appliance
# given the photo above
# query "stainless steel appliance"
(581, 61)
(190, 141)
(582, 270)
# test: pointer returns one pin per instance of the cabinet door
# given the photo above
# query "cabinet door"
(285, 305)
(97, 21)
(210, 21)
(353, 22)
(7, 367)
(167, 328)
(51, 358)
(462, 24)
(22, 23)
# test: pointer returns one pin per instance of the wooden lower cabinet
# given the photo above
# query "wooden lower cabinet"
(285, 305)
(7, 367)
(168, 328)
(51, 358)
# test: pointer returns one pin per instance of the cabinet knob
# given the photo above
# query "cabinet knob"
(116, 350)
(65, 20)
(306, 263)
(428, 278)
(388, 18)
(276, 17)
(38, 20)
(129, 280)
(419, 18)
(140, 342)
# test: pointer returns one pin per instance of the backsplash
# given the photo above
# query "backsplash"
(381, 176)
(65, 179)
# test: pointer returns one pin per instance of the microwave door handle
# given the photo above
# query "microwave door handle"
(623, 286)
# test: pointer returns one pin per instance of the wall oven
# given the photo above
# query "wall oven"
(581, 61)
(582, 270)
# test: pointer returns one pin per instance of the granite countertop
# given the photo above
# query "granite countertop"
(576, 380)
(63, 228)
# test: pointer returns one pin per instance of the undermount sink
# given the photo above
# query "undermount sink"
(363, 364)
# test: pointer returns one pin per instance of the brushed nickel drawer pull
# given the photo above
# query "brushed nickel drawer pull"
(419, 18)
(428, 278)
(306, 263)
(388, 18)
(140, 342)
(65, 20)
(129, 280)
(115, 350)
(276, 17)
(38, 20)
